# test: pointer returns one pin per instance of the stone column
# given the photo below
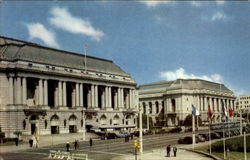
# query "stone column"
(56, 96)
(40, 92)
(81, 95)
(116, 100)
(96, 96)
(18, 91)
(205, 104)
(199, 103)
(60, 93)
(109, 97)
(11, 90)
(122, 98)
(202, 105)
(74, 98)
(92, 96)
(24, 91)
(130, 99)
(64, 94)
(153, 108)
(106, 97)
(103, 99)
(219, 103)
(160, 106)
(45, 92)
(147, 107)
(127, 100)
(77, 94)
(119, 98)
(89, 98)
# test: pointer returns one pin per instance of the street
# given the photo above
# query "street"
(101, 149)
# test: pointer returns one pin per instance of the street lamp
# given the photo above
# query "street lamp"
(140, 125)
(245, 143)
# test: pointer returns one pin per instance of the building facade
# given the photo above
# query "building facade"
(48, 91)
(243, 103)
(172, 100)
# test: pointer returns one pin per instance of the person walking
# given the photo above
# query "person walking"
(67, 146)
(75, 144)
(168, 150)
(16, 140)
(90, 142)
(175, 150)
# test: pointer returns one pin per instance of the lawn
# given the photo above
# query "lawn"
(232, 155)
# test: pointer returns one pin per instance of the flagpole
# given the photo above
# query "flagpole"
(210, 144)
(85, 62)
(224, 140)
(193, 134)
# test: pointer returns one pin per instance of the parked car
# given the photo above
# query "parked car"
(123, 134)
(187, 140)
(215, 135)
(111, 136)
(205, 136)
(199, 138)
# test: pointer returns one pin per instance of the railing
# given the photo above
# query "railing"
(67, 155)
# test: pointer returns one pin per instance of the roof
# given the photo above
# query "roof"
(12, 49)
(187, 84)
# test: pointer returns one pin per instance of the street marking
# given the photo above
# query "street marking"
(119, 154)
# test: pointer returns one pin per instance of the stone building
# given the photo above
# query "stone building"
(244, 102)
(49, 91)
(173, 99)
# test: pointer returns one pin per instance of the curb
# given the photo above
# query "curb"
(203, 153)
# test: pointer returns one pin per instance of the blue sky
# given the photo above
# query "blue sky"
(153, 41)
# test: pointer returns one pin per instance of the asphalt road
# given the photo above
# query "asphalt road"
(101, 149)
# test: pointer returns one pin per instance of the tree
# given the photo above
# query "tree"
(188, 120)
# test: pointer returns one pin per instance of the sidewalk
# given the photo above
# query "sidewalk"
(45, 141)
(160, 154)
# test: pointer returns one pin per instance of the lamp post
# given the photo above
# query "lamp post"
(245, 142)
(140, 132)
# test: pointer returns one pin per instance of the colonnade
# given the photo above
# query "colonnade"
(152, 107)
(97, 95)
(214, 102)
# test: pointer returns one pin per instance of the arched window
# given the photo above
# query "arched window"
(116, 120)
(103, 120)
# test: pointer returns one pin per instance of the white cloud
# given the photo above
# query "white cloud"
(37, 30)
(220, 2)
(181, 73)
(152, 3)
(196, 3)
(63, 19)
(218, 16)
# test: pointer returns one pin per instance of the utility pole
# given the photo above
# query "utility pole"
(140, 125)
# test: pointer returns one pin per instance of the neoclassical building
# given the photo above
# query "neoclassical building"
(173, 99)
(49, 91)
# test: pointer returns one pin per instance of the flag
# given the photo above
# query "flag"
(225, 111)
(210, 113)
(195, 111)
(230, 111)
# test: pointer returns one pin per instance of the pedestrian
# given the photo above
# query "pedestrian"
(175, 150)
(16, 140)
(168, 150)
(67, 146)
(31, 142)
(90, 142)
(75, 144)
